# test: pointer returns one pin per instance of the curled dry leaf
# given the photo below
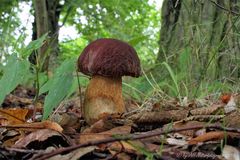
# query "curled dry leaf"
(37, 125)
(13, 137)
(100, 126)
(132, 147)
(225, 98)
(13, 116)
(39, 135)
(52, 125)
(214, 135)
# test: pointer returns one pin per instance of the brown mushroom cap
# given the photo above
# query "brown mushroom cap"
(109, 57)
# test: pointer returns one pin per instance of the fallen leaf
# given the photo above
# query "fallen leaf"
(233, 119)
(14, 100)
(214, 135)
(128, 147)
(176, 142)
(184, 124)
(39, 135)
(230, 153)
(99, 126)
(225, 98)
(74, 155)
(230, 106)
(36, 125)
(13, 116)
(11, 137)
(123, 156)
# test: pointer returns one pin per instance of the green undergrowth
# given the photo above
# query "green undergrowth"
(181, 79)
(165, 80)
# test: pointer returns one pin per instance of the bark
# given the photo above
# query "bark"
(47, 14)
(209, 30)
(53, 9)
(41, 17)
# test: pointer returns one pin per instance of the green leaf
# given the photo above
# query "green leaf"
(33, 45)
(56, 95)
(13, 74)
(59, 86)
(46, 87)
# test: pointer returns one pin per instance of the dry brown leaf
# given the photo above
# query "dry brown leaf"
(12, 137)
(129, 146)
(87, 137)
(39, 135)
(13, 99)
(231, 105)
(225, 97)
(122, 149)
(183, 124)
(214, 135)
(13, 116)
(233, 119)
(99, 126)
(36, 125)
(51, 125)
(74, 155)
(123, 156)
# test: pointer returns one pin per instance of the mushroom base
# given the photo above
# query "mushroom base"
(103, 96)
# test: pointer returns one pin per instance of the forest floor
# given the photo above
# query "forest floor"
(168, 129)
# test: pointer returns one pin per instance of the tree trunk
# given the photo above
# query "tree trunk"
(41, 17)
(47, 14)
(208, 30)
(53, 9)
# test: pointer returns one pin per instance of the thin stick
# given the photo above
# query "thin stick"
(80, 92)
(131, 137)
(225, 9)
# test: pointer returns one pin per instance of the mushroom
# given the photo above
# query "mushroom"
(106, 61)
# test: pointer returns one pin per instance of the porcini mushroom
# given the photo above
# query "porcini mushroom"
(106, 61)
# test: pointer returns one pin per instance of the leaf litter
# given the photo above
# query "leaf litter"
(164, 129)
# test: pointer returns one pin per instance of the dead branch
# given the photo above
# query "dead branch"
(148, 134)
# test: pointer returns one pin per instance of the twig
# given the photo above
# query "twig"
(66, 16)
(80, 93)
(221, 7)
(23, 150)
(131, 137)
(21, 127)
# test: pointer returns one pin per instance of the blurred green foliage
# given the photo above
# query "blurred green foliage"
(135, 22)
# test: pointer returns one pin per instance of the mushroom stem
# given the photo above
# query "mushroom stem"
(103, 96)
